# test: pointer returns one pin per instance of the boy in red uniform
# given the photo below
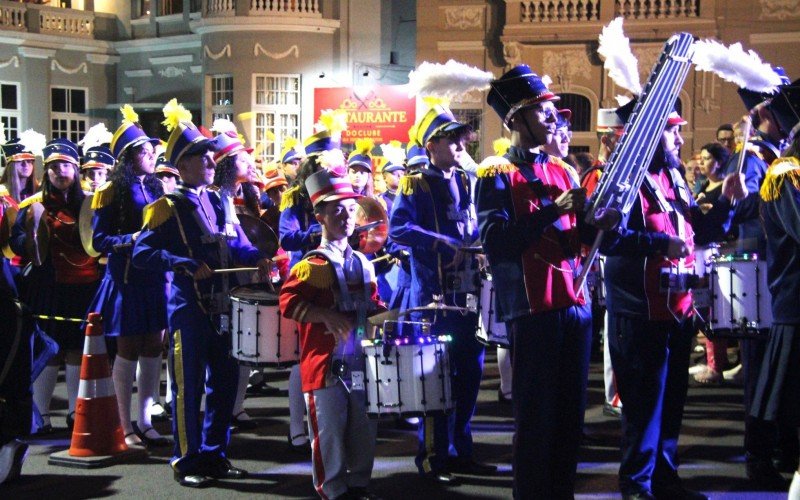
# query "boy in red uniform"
(329, 293)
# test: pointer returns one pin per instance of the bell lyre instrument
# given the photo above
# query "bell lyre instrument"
(619, 185)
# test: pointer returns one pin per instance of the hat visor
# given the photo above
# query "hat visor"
(201, 147)
(393, 168)
(451, 127)
(138, 142)
(337, 197)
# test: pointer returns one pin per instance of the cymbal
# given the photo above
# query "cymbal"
(272, 217)
(390, 315)
(260, 234)
(9, 217)
(436, 306)
(371, 212)
(38, 234)
(85, 228)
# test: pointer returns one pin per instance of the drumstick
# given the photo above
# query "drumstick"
(382, 257)
(235, 270)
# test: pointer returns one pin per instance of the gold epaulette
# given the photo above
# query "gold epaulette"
(566, 166)
(411, 183)
(4, 190)
(158, 212)
(494, 165)
(103, 196)
(288, 198)
(35, 198)
(213, 188)
(86, 186)
(777, 172)
(317, 273)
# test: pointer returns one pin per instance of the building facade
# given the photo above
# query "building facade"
(559, 38)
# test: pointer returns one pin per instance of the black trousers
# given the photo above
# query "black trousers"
(550, 372)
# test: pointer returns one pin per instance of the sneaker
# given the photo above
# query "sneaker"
(708, 377)
(610, 410)
(158, 413)
(698, 368)
(734, 376)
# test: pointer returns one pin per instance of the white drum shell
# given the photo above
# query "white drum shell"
(490, 330)
(413, 379)
(260, 336)
(739, 296)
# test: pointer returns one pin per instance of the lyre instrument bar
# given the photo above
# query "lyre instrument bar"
(619, 185)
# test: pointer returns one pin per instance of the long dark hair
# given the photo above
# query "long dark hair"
(123, 177)
(75, 194)
(11, 181)
(225, 179)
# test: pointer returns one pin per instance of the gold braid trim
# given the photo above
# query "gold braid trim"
(494, 165)
(778, 171)
(103, 196)
(413, 182)
(158, 212)
(318, 275)
(288, 198)
(36, 198)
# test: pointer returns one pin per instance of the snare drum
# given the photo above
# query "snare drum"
(490, 331)
(260, 336)
(740, 298)
(407, 376)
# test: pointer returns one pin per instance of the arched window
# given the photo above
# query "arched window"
(581, 109)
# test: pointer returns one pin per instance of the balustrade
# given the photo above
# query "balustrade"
(559, 11)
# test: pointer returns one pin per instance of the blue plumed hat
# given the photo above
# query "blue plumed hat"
(129, 134)
(61, 150)
(97, 157)
(519, 88)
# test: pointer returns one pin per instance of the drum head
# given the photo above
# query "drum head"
(37, 238)
(255, 293)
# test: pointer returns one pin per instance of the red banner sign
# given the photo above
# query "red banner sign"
(383, 113)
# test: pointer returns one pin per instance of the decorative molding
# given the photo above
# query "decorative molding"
(647, 57)
(102, 59)
(183, 58)
(463, 18)
(294, 48)
(779, 9)
(226, 51)
(55, 65)
(462, 45)
(138, 73)
(707, 99)
(36, 53)
(196, 69)
(172, 43)
(512, 53)
(171, 72)
(14, 60)
(781, 37)
(564, 65)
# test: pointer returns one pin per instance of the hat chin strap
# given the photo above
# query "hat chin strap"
(527, 128)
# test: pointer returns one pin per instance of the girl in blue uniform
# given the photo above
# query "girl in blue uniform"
(132, 301)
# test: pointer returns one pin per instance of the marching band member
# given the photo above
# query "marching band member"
(392, 171)
(186, 232)
(650, 327)
(132, 301)
(299, 233)
(558, 145)
(359, 168)
(776, 397)
(434, 216)
(167, 174)
(97, 159)
(529, 209)
(291, 156)
(65, 282)
(343, 437)
(18, 178)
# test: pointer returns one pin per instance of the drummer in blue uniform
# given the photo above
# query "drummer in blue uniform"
(133, 302)
(186, 232)
(434, 216)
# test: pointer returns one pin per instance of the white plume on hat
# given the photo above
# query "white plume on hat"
(394, 152)
(622, 65)
(450, 79)
(622, 100)
(95, 136)
(33, 141)
(733, 64)
(223, 126)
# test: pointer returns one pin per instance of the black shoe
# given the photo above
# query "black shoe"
(154, 442)
(304, 449)
(221, 468)
(193, 480)
(503, 399)
(766, 476)
(360, 494)
(610, 410)
(159, 412)
(443, 478)
(70, 421)
(469, 466)
(46, 428)
(243, 424)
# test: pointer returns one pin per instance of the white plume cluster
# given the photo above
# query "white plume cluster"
(622, 65)
(95, 136)
(450, 79)
(223, 126)
(33, 141)
(393, 152)
(734, 64)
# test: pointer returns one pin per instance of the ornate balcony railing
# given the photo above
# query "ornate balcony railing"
(264, 7)
(656, 9)
(221, 7)
(559, 11)
(66, 22)
(12, 16)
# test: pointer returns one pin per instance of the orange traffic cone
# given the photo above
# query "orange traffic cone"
(97, 438)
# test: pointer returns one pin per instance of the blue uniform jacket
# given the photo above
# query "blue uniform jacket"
(299, 232)
(424, 220)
